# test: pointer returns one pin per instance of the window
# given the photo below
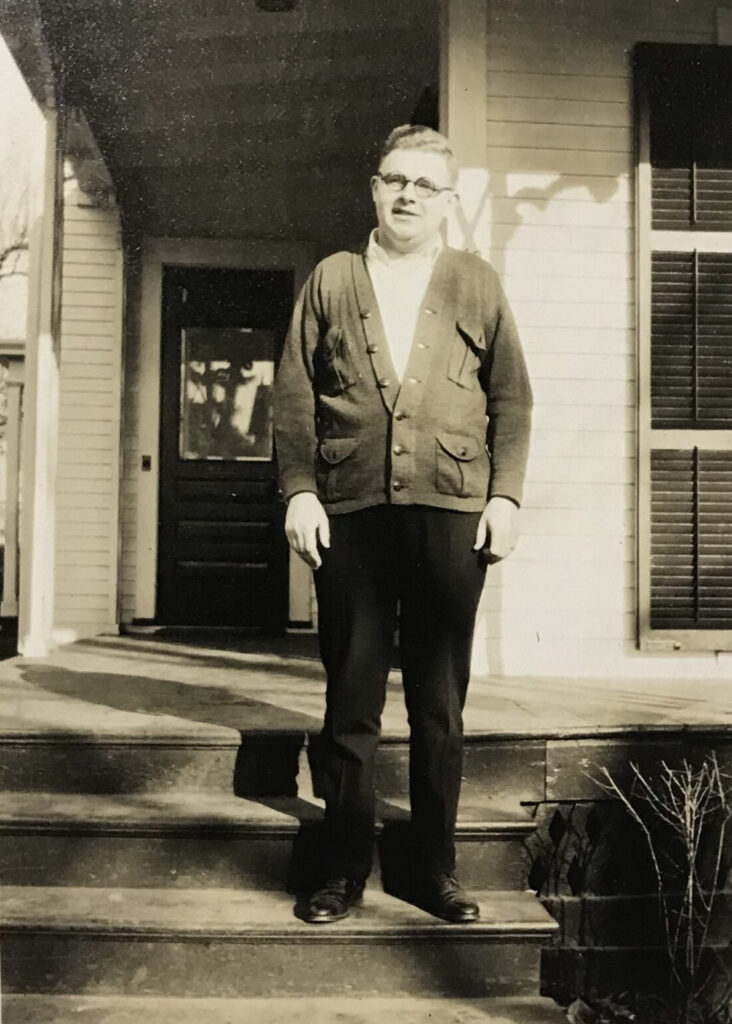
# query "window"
(684, 204)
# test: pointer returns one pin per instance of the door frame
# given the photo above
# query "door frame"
(230, 254)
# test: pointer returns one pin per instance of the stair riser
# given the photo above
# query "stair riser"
(252, 862)
(59, 963)
(107, 768)
(509, 772)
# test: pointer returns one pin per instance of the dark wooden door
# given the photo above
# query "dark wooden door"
(222, 553)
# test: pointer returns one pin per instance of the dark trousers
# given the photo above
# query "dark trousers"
(416, 564)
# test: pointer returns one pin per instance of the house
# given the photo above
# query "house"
(186, 172)
(211, 160)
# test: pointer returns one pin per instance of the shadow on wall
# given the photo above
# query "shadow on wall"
(601, 189)
(481, 232)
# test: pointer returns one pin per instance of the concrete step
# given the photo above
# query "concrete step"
(198, 839)
(258, 762)
(273, 1010)
(242, 943)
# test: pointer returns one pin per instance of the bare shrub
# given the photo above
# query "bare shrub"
(683, 815)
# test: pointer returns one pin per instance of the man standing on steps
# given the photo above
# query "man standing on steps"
(402, 415)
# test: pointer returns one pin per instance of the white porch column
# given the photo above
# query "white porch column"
(14, 393)
(464, 116)
(40, 407)
(464, 110)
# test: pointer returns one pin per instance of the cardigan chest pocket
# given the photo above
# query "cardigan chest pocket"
(336, 474)
(467, 352)
(461, 466)
(334, 370)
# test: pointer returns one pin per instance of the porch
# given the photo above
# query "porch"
(116, 685)
(159, 805)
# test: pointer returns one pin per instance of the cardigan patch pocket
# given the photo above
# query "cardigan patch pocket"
(459, 469)
(467, 353)
(334, 371)
(334, 472)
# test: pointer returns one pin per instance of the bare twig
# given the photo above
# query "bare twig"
(611, 786)
(13, 231)
(693, 804)
(6, 253)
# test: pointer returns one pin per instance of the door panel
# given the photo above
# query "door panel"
(222, 554)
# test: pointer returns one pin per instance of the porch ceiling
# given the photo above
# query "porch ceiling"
(195, 103)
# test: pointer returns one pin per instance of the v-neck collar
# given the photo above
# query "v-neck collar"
(431, 312)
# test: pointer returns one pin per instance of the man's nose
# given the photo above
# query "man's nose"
(408, 194)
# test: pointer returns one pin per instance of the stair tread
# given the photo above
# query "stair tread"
(35, 1009)
(170, 810)
(239, 913)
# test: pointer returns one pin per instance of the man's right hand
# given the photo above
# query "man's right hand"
(306, 523)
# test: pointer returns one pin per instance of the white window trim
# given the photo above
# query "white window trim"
(648, 438)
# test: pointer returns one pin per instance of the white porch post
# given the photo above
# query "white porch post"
(464, 115)
(40, 408)
(464, 111)
(14, 391)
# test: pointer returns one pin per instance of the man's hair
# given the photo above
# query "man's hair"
(418, 136)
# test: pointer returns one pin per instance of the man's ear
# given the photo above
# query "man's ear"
(374, 183)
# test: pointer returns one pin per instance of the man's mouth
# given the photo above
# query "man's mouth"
(402, 211)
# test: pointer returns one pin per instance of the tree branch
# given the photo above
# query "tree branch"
(6, 253)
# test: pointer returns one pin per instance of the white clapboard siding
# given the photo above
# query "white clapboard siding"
(609, 267)
(538, 86)
(599, 112)
(558, 469)
(532, 207)
(612, 394)
(570, 339)
(89, 419)
(574, 188)
(579, 237)
(565, 596)
(559, 227)
(588, 138)
(580, 366)
(576, 291)
(556, 624)
(594, 444)
(586, 496)
(575, 314)
(547, 547)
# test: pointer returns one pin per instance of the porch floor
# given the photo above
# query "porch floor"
(142, 687)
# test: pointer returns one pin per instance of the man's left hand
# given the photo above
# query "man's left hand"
(497, 529)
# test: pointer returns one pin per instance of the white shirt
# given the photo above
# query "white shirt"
(399, 283)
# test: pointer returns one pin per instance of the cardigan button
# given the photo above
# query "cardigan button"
(400, 414)
(399, 449)
(397, 485)
(383, 382)
(371, 349)
(462, 451)
(365, 314)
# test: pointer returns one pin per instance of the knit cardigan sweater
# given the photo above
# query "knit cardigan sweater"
(452, 434)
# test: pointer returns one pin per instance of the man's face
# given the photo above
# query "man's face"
(406, 221)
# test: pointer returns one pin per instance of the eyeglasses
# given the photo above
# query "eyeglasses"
(424, 188)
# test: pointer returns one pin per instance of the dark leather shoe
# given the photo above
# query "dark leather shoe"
(443, 897)
(334, 901)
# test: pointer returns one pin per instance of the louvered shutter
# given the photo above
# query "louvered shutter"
(691, 340)
(691, 547)
(685, 346)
